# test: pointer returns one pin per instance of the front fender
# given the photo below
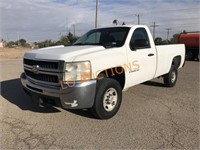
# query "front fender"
(103, 60)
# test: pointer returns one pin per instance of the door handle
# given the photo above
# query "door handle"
(150, 54)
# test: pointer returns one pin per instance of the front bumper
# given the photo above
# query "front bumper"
(80, 96)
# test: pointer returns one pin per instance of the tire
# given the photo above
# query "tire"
(108, 98)
(171, 78)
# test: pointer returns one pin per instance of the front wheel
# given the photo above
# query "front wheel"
(171, 77)
(108, 98)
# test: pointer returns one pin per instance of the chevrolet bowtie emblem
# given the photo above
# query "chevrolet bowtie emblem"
(35, 69)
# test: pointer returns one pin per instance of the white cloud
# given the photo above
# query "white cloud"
(46, 19)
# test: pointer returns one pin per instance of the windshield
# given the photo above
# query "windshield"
(107, 37)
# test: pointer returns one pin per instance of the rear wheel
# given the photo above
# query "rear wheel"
(171, 78)
(108, 98)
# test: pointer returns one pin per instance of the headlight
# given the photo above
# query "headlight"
(77, 71)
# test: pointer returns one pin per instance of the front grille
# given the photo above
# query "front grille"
(42, 64)
(42, 77)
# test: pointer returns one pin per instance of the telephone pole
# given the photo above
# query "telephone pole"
(18, 39)
(74, 29)
(138, 17)
(154, 29)
(67, 24)
(168, 34)
(96, 16)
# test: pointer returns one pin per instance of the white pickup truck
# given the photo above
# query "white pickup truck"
(93, 72)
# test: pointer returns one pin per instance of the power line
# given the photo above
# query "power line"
(180, 19)
(170, 10)
(154, 29)
(159, 11)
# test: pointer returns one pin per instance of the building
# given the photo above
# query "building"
(2, 44)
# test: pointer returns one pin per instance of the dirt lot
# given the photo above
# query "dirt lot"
(151, 117)
(12, 53)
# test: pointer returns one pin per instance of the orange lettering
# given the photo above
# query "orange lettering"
(136, 65)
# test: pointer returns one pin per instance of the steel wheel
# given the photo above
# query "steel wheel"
(173, 77)
(110, 99)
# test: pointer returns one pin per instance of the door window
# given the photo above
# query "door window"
(139, 39)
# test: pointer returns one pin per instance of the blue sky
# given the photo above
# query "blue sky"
(36, 20)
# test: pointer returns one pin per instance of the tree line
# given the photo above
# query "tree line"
(69, 39)
(66, 40)
(173, 40)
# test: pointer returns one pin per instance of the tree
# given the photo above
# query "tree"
(184, 32)
(11, 44)
(63, 41)
(72, 38)
(45, 43)
(174, 40)
(158, 41)
(22, 42)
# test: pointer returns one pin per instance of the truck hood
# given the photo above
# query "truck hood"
(68, 53)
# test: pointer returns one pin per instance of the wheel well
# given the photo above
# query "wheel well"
(116, 73)
(176, 61)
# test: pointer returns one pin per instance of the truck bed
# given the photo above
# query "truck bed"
(165, 55)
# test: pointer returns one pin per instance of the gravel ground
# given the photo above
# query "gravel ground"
(151, 117)
(13, 53)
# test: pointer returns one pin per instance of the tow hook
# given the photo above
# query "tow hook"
(74, 104)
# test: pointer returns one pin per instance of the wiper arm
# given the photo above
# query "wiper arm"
(87, 44)
(110, 44)
(79, 44)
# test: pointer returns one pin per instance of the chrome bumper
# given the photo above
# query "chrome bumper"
(80, 96)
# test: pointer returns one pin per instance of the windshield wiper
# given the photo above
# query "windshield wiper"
(78, 44)
(110, 44)
(87, 44)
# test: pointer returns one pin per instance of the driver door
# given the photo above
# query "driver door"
(142, 55)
